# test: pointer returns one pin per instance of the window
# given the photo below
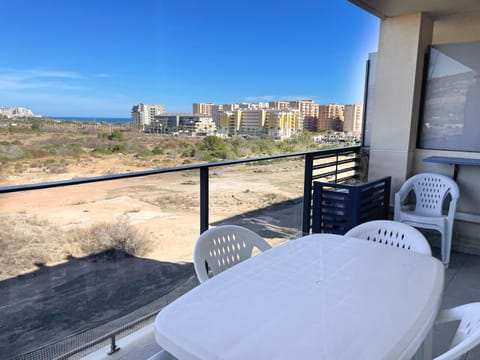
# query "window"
(451, 106)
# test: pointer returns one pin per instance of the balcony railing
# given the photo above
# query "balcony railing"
(335, 165)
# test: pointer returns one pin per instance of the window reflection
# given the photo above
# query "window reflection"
(451, 112)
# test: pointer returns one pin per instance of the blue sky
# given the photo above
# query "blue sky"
(99, 57)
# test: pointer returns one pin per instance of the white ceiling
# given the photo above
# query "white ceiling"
(433, 8)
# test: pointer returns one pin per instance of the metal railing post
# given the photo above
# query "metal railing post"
(203, 199)
(336, 168)
(307, 193)
(113, 345)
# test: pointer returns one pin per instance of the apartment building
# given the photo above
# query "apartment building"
(309, 112)
(13, 112)
(306, 107)
(277, 123)
(353, 115)
(182, 122)
(279, 104)
(330, 116)
(203, 108)
(143, 114)
(246, 122)
(283, 123)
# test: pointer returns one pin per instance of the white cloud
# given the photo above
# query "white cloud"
(49, 103)
(60, 93)
(11, 79)
(276, 98)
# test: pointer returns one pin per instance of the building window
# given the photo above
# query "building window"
(451, 104)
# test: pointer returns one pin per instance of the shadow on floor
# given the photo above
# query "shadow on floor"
(57, 301)
(280, 220)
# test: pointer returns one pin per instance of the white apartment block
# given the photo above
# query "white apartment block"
(143, 114)
(279, 104)
(278, 123)
(203, 108)
(246, 122)
(353, 116)
(13, 112)
(180, 122)
(217, 111)
(283, 123)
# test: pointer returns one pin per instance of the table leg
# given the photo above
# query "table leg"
(424, 352)
(455, 171)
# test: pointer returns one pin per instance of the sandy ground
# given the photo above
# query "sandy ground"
(164, 207)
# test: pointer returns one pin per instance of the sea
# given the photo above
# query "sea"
(93, 119)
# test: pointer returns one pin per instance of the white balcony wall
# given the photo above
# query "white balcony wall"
(402, 44)
(447, 30)
(399, 77)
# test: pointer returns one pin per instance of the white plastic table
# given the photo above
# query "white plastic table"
(322, 296)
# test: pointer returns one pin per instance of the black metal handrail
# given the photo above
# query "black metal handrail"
(310, 167)
(336, 165)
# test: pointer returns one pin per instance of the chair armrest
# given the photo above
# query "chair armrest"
(451, 210)
(447, 315)
(403, 193)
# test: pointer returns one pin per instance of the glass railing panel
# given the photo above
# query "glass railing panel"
(103, 255)
(93, 257)
(265, 196)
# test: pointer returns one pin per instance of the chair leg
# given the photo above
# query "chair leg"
(446, 247)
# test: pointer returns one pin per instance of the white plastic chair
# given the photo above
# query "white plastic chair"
(430, 191)
(221, 247)
(392, 233)
(467, 335)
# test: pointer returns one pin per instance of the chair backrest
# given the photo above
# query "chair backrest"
(221, 247)
(392, 233)
(467, 335)
(430, 192)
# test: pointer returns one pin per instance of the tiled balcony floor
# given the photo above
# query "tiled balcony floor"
(462, 285)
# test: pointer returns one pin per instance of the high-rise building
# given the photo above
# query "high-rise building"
(247, 122)
(277, 123)
(353, 119)
(179, 122)
(143, 114)
(279, 104)
(16, 112)
(306, 107)
(283, 123)
(217, 111)
(230, 107)
(203, 108)
(329, 116)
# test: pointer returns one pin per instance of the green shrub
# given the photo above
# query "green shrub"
(14, 152)
(157, 150)
(116, 135)
(143, 153)
(103, 136)
(187, 151)
(213, 146)
(36, 126)
(120, 235)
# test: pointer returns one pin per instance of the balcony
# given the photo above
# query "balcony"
(70, 283)
(97, 300)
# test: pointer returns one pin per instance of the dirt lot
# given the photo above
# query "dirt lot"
(164, 207)
(48, 272)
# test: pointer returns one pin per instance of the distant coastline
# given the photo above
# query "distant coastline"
(113, 120)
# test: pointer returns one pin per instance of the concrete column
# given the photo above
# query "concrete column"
(402, 46)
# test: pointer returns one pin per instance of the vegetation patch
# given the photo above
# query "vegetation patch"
(120, 235)
(28, 242)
